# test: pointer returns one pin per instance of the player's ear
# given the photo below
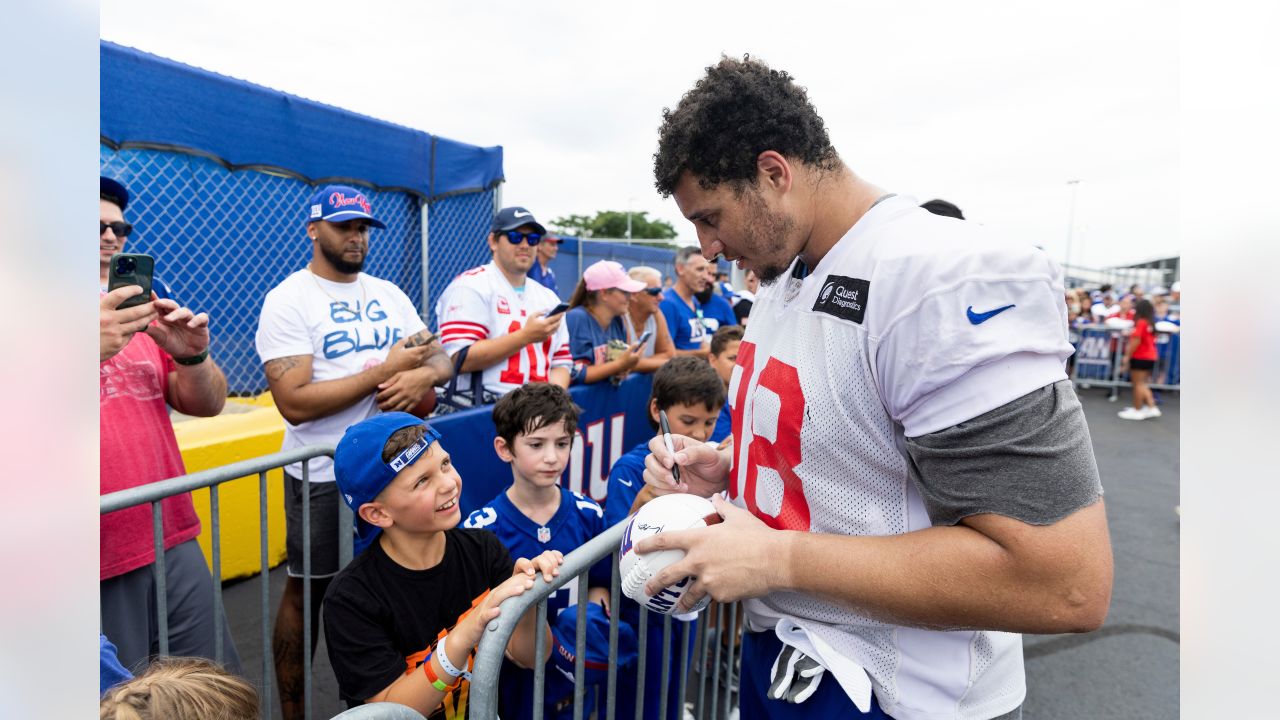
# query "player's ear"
(773, 171)
(504, 451)
(653, 410)
(375, 514)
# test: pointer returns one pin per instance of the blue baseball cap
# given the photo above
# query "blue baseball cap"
(358, 465)
(340, 203)
(510, 218)
(114, 191)
(564, 632)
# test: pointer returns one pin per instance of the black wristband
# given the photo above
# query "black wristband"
(194, 359)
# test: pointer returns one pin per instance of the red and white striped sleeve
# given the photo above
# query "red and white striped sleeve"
(464, 318)
(560, 355)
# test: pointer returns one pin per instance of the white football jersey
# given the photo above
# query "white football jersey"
(480, 304)
(911, 324)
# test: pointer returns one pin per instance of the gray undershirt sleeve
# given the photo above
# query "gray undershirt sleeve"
(1031, 460)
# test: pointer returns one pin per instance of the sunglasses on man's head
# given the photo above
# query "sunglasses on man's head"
(121, 229)
(655, 292)
(515, 237)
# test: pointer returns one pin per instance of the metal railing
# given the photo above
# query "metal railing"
(1100, 353)
(154, 493)
(490, 652)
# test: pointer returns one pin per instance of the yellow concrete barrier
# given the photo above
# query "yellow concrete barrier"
(251, 429)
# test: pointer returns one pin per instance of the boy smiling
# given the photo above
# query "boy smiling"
(403, 619)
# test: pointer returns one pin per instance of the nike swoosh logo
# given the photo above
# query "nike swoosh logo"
(979, 318)
(625, 482)
(522, 214)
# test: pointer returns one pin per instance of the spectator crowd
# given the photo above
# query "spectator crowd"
(349, 361)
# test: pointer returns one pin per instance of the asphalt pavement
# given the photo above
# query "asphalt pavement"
(1128, 669)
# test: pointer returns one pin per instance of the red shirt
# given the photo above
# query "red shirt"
(1146, 349)
(138, 447)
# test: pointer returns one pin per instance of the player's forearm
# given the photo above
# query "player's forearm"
(199, 390)
(487, 353)
(441, 367)
(953, 577)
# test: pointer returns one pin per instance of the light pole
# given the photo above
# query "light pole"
(1071, 224)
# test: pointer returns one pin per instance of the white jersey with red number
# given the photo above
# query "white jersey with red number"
(481, 304)
(911, 324)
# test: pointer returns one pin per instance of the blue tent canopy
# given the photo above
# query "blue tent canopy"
(150, 101)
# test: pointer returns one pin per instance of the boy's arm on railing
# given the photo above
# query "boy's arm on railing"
(499, 632)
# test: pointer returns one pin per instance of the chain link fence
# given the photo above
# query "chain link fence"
(223, 238)
(463, 247)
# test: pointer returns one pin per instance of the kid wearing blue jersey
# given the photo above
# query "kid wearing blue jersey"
(535, 426)
(691, 393)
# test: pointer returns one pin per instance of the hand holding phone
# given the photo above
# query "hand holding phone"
(641, 342)
(558, 309)
(131, 269)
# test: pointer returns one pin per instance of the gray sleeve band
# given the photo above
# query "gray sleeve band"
(1031, 460)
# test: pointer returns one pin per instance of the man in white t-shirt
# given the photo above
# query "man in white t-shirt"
(502, 317)
(911, 482)
(337, 346)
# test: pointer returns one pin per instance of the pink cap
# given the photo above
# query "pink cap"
(608, 274)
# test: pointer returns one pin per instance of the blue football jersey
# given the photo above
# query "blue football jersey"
(578, 520)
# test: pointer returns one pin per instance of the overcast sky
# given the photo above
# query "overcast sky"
(993, 105)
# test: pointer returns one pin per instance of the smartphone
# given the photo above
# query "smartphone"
(643, 339)
(131, 269)
(558, 309)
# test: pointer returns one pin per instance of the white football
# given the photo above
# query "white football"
(668, 512)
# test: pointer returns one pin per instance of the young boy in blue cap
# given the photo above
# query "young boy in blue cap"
(403, 619)
(535, 425)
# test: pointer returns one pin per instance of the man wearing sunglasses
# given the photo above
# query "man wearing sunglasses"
(503, 318)
(152, 357)
(540, 271)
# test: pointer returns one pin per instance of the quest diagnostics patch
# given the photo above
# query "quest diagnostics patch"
(843, 297)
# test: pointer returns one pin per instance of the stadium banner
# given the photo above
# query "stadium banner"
(612, 422)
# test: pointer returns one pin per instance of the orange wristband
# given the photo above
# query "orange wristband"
(434, 679)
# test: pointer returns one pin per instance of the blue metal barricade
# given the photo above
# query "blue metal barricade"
(722, 696)
(154, 493)
(1100, 354)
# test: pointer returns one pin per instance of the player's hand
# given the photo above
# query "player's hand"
(548, 563)
(405, 389)
(538, 328)
(116, 327)
(704, 470)
(179, 331)
(731, 560)
(404, 356)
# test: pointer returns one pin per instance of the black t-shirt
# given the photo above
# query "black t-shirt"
(380, 617)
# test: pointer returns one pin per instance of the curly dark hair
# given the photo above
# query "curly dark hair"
(529, 408)
(739, 110)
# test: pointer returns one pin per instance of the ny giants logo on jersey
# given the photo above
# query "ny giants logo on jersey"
(844, 297)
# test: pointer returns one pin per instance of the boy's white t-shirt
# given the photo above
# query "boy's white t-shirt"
(346, 328)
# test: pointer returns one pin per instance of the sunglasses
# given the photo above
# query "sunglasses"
(654, 292)
(121, 229)
(515, 237)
